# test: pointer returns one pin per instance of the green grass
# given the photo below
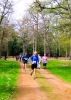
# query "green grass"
(61, 68)
(8, 78)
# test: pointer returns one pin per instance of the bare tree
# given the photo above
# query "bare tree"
(5, 11)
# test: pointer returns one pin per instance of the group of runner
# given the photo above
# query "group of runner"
(35, 61)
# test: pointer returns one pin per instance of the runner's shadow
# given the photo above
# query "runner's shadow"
(43, 78)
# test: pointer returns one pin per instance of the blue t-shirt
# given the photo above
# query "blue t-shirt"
(25, 58)
(34, 59)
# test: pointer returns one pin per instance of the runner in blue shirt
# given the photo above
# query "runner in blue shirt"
(34, 61)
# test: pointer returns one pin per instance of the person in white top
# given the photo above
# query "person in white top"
(44, 60)
(38, 65)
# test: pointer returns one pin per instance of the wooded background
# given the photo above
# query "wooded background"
(46, 27)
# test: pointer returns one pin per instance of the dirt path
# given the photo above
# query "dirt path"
(59, 87)
(29, 89)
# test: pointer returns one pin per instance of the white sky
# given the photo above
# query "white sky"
(20, 8)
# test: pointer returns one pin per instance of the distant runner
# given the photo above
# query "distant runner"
(44, 61)
(25, 61)
(38, 66)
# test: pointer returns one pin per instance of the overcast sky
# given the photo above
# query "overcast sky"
(20, 8)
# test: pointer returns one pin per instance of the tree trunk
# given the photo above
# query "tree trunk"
(0, 50)
(33, 42)
(23, 48)
(66, 51)
(59, 49)
(70, 49)
(44, 43)
(1, 47)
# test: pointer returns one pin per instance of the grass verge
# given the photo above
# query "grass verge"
(61, 68)
(9, 71)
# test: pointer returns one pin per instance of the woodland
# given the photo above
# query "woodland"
(46, 28)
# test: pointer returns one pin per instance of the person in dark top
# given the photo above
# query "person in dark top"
(17, 57)
(20, 56)
(25, 61)
(5, 56)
